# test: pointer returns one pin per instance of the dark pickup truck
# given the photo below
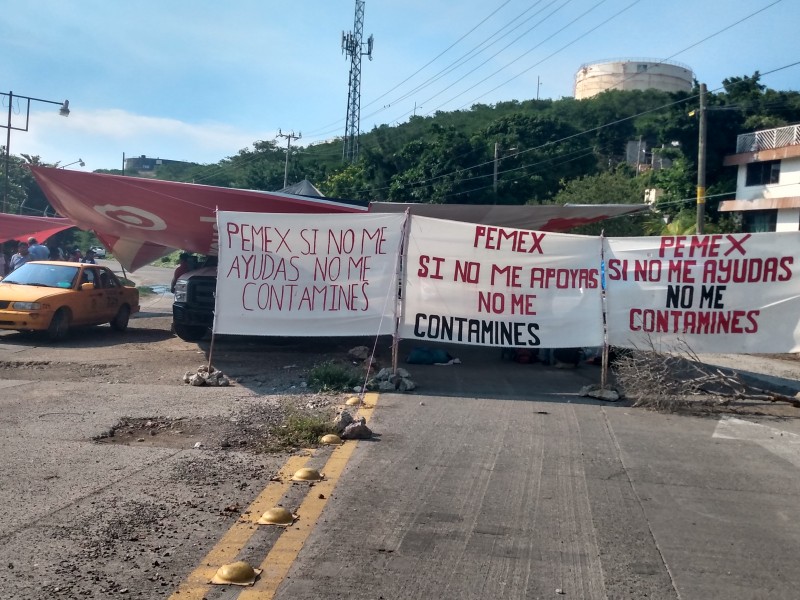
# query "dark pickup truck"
(193, 308)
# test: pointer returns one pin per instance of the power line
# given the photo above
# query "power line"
(565, 46)
(478, 50)
(456, 63)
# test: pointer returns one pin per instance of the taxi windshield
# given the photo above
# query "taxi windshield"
(56, 276)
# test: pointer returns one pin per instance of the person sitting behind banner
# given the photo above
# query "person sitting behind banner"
(182, 267)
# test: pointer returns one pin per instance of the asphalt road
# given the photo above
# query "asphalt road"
(495, 480)
(547, 497)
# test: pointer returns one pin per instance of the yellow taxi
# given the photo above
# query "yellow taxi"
(53, 296)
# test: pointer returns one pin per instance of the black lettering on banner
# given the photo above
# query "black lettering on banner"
(506, 334)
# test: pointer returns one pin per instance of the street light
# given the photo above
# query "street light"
(79, 161)
(63, 111)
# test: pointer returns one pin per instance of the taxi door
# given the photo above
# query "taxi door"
(94, 306)
(113, 293)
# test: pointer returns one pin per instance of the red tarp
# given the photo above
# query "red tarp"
(140, 220)
(20, 227)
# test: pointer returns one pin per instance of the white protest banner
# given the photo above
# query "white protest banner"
(495, 286)
(307, 275)
(734, 293)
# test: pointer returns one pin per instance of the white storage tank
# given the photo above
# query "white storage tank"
(632, 74)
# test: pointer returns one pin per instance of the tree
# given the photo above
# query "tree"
(619, 186)
(437, 170)
(24, 194)
(546, 152)
(677, 185)
(347, 182)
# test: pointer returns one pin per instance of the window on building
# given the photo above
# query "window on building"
(759, 221)
(763, 173)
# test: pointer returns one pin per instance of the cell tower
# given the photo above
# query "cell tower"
(353, 48)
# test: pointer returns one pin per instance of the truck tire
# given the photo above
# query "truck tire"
(190, 333)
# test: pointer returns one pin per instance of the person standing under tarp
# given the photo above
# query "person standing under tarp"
(37, 251)
(182, 267)
(21, 257)
(88, 258)
(55, 251)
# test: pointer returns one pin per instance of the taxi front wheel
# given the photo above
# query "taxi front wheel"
(59, 326)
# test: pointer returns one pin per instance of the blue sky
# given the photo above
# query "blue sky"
(198, 80)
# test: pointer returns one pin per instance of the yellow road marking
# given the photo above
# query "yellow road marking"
(283, 554)
(228, 547)
(287, 547)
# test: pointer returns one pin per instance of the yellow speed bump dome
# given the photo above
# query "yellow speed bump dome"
(353, 401)
(238, 573)
(277, 516)
(306, 475)
(331, 439)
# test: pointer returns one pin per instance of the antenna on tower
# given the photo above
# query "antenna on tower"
(353, 48)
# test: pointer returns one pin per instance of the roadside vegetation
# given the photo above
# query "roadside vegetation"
(299, 430)
(331, 376)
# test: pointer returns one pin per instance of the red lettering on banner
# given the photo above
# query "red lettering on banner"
(378, 238)
(508, 275)
(519, 240)
(424, 271)
(680, 271)
(647, 270)
(499, 303)
(249, 238)
(341, 242)
(564, 278)
(737, 244)
(617, 269)
(467, 271)
(748, 270)
(232, 230)
(707, 246)
(650, 320)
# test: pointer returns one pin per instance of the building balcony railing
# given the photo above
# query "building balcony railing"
(767, 139)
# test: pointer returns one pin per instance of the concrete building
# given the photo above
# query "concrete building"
(632, 74)
(768, 182)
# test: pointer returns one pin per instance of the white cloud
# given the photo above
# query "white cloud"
(101, 137)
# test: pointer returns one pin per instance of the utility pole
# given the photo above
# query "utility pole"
(701, 164)
(352, 48)
(494, 179)
(538, 85)
(289, 137)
